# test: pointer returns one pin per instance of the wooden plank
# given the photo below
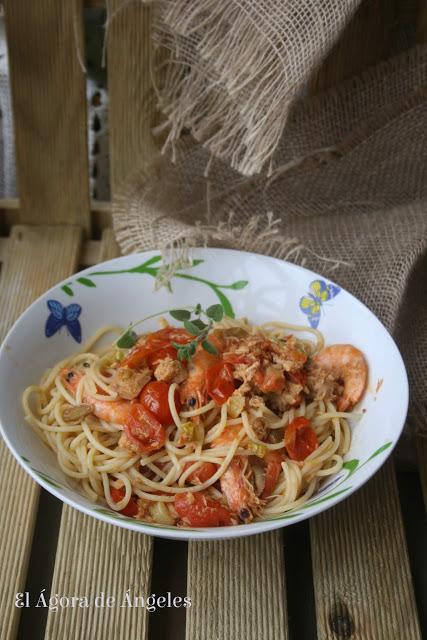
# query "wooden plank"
(36, 258)
(368, 38)
(49, 105)
(95, 557)
(132, 112)
(362, 579)
(100, 215)
(237, 589)
(422, 464)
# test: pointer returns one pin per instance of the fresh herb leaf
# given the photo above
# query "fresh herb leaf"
(180, 314)
(198, 309)
(127, 340)
(215, 312)
(208, 346)
(199, 323)
(191, 327)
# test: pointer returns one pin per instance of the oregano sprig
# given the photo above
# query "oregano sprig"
(197, 321)
(197, 328)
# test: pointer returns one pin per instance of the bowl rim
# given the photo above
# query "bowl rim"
(225, 532)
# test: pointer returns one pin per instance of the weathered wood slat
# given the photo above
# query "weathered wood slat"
(36, 258)
(362, 578)
(237, 589)
(422, 464)
(49, 105)
(95, 557)
(132, 108)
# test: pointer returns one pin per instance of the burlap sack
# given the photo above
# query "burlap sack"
(348, 193)
(233, 69)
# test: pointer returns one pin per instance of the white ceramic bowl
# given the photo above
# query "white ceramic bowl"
(122, 290)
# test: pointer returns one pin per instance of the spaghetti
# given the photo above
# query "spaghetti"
(245, 432)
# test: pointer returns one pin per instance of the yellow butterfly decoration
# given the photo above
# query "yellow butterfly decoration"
(311, 304)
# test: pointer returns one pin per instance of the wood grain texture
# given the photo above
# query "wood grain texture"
(109, 247)
(362, 579)
(95, 557)
(35, 259)
(422, 464)
(237, 589)
(371, 36)
(49, 105)
(132, 105)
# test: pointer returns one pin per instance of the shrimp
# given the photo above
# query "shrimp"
(339, 371)
(116, 411)
(193, 391)
(238, 490)
(143, 433)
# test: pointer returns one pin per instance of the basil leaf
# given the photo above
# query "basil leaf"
(180, 314)
(215, 312)
(191, 328)
(127, 340)
(208, 346)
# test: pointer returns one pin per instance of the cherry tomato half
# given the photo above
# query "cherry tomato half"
(143, 429)
(154, 396)
(202, 473)
(153, 345)
(220, 382)
(300, 439)
(197, 510)
(273, 461)
(131, 509)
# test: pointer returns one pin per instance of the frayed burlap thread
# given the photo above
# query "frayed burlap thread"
(234, 69)
(349, 190)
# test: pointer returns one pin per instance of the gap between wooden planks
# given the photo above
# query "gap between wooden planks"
(36, 257)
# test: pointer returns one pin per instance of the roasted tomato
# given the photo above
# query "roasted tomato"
(156, 345)
(143, 429)
(154, 396)
(131, 509)
(273, 468)
(197, 510)
(300, 439)
(220, 382)
(202, 473)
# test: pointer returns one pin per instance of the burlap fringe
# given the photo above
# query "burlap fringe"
(235, 69)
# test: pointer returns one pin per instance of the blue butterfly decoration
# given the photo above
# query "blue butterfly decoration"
(63, 317)
(311, 304)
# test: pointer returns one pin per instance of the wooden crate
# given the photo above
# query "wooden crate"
(352, 573)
